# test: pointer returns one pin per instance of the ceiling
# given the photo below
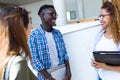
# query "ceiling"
(18, 2)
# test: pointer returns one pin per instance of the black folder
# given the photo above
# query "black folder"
(109, 57)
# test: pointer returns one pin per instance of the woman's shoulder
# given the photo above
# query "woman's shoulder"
(17, 61)
(16, 64)
(19, 69)
(18, 58)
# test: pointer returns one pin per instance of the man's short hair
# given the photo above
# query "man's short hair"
(46, 6)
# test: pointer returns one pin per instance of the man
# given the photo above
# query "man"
(47, 46)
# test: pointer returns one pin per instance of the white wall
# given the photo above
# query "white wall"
(71, 5)
(85, 8)
(79, 40)
(91, 8)
(80, 9)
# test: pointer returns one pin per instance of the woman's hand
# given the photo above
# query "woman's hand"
(99, 65)
(104, 66)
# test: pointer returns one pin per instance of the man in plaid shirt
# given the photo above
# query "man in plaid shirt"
(47, 46)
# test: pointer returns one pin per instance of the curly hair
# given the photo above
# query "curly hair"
(114, 9)
(116, 21)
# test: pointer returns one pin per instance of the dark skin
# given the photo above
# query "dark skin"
(68, 72)
(48, 20)
(48, 75)
(48, 17)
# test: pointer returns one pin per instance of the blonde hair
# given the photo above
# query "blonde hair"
(4, 40)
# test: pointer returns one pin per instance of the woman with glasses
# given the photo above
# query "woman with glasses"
(14, 26)
(108, 39)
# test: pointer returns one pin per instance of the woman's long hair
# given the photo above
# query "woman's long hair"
(12, 33)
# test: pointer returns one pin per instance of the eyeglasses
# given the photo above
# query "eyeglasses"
(103, 15)
(52, 14)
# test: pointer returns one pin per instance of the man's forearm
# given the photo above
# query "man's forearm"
(68, 71)
(46, 75)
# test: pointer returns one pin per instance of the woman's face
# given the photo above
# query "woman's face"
(104, 18)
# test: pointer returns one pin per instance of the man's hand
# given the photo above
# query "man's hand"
(68, 71)
(46, 75)
(67, 77)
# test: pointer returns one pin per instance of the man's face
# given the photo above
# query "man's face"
(49, 16)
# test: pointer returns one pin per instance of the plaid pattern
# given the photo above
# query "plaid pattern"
(40, 52)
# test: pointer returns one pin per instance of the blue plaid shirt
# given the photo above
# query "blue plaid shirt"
(40, 52)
